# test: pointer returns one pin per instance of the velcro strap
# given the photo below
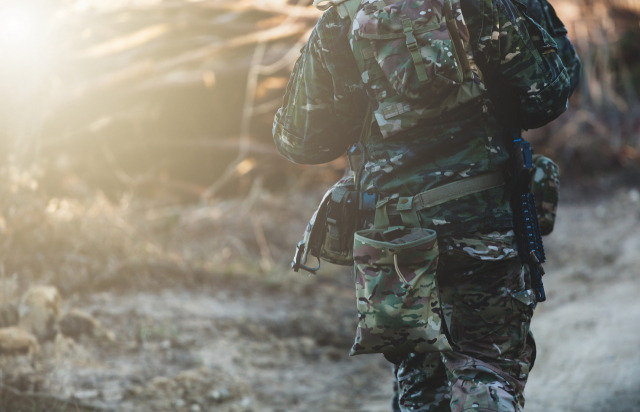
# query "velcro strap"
(381, 219)
(392, 110)
(412, 45)
(455, 190)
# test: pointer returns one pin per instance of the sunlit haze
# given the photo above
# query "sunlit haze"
(23, 33)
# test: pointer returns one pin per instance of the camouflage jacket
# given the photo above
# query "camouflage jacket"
(325, 105)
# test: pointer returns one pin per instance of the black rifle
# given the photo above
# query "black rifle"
(527, 227)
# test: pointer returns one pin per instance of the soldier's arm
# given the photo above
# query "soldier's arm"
(519, 62)
(324, 104)
(543, 12)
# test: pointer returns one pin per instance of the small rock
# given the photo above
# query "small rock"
(17, 341)
(38, 311)
(76, 323)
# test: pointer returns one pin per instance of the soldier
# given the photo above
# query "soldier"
(444, 149)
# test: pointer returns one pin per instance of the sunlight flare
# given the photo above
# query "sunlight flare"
(23, 32)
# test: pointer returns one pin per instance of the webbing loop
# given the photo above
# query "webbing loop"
(464, 72)
(412, 45)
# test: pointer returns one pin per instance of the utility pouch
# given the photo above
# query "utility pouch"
(545, 183)
(329, 233)
(340, 223)
(397, 292)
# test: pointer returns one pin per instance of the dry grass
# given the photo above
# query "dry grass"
(94, 244)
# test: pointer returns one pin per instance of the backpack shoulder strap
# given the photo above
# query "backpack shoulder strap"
(346, 8)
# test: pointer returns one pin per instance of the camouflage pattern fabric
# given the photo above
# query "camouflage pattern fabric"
(498, 245)
(420, 384)
(394, 42)
(332, 240)
(415, 60)
(397, 293)
(384, 24)
(519, 61)
(543, 93)
(545, 184)
(543, 13)
(325, 102)
(488, 306)
(440, 154)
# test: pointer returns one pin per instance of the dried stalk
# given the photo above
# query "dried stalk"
(255, 71)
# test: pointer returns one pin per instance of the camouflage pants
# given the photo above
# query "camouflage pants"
(488, 309)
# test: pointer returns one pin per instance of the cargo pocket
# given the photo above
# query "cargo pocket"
(397, 293)
(491, 305)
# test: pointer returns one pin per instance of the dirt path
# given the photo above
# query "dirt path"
(587, 332)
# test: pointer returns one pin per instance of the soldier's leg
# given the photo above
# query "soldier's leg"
(420, 384)
(489, 308)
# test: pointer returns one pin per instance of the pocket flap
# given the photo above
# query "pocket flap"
(412, 246)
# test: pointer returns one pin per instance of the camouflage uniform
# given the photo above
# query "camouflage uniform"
(488, 306)
(486, 298)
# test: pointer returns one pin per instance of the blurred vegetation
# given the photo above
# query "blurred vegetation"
(135, 135)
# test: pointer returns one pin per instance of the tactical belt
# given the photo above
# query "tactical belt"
(407, 207)
(454, 190)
